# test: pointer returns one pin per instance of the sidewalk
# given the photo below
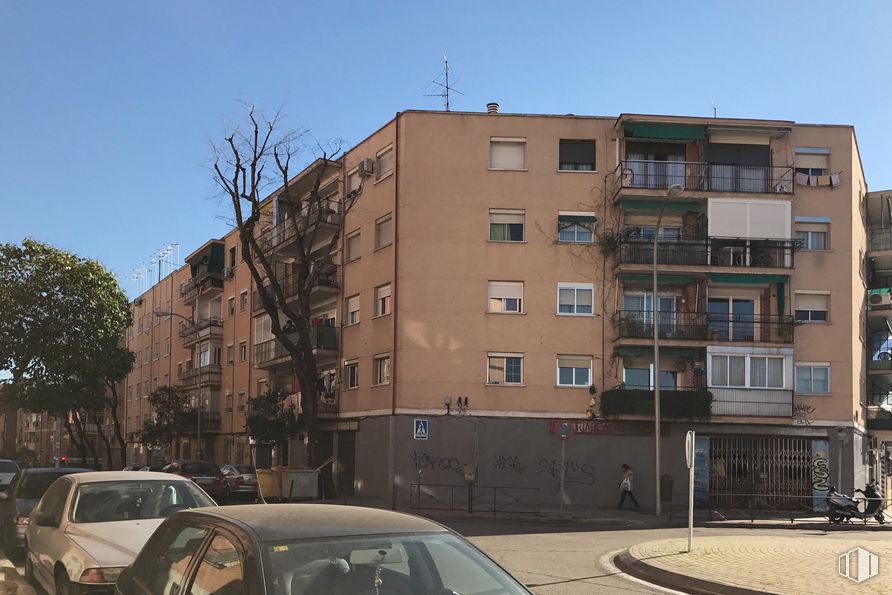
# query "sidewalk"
(745, 565)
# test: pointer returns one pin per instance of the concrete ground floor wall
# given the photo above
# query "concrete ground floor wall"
(518, 461)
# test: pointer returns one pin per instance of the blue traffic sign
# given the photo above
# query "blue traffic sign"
(421, 429)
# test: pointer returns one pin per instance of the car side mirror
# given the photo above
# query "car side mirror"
(42, 519)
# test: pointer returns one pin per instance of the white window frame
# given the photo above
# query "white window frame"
(799, 294)
(747, 370)
(589, 214)
(379, 300)
(515, 212)
(497, 354)
(576, 287)
(810, 227)
(243, 300)
(377, 362)
(352, 175)
(812, 365)
(503, 299)
(504, 140)
(349, 321)
(557, 364)
(388, 218)
(348, 254)
(353, 365)
(380, 173)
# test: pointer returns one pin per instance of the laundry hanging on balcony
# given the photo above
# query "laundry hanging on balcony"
(832, 180)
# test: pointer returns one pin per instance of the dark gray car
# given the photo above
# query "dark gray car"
(19, 500)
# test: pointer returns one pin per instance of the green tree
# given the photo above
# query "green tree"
(174, 416)
(271, 421)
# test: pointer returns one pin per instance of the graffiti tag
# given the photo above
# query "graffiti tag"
(820, 474)
(801, 413)
(574, 472)
(509, 463)
(424, 461)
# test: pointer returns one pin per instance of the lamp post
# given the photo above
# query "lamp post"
(169, 313)
(673, 192)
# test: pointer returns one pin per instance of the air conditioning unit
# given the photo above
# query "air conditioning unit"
(880, 299)
(230, 272)
(366, 167)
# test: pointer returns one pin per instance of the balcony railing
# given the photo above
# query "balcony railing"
(187, 331)
(322, 337)
(210, 420)
(326, 212)
(880, 362)
(201, 283)
(714, 251)
(701, 176)
(638, 324)
(757, 402)
(209, 374)
(879, 418)
(880, 239)
(880, 282)
(751, 328)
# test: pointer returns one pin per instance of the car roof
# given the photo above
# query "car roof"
(97, 476)
(280, 522)
(62, 470)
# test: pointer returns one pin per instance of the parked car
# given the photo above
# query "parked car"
(20, 499)
(205, 474)
(90, 526)
(242, 480)
(310, 549)
(8, 469)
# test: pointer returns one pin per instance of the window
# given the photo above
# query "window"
(352, 251)
(243, 351)
(383, 231)
(351, 374)
(505, 225)
(577, 155)
(812, 161)
(138, 388)
(53, 501)
(231, 307)
(642, 378)
(162, 567)
(243, 301)
(576, 228)
(179, 370)
(232, 262)
(575, 299)
(574, 370)
(382, 300)
(506, 296)
(352, 310)
(504, 368)
(241, 400)
(507, 153)
(381, 369)
(766, 372)
(728, 370)
(263, 329)
(167, 346)
(220, 570)
(812, 307)
(813, 379)
(814, 236)
(157, 351)
(353, 179)
(384, 163)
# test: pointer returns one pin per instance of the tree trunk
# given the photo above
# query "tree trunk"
(119, 435)
(110, 464)
(309, 402)
(81, 449)
(79, 427)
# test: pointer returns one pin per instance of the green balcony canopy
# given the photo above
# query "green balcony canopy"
(747, 278)
(656, 205)
(667, 131)
(662, 278)
(645, 350)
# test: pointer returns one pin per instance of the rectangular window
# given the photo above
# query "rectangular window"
(504, 368)
(577, 155)
(179, 370)
(351, 374)
(506, 296)
(574, 370)
(232, 261)
(383, 231)
(242, 397)
(507, 153)
(243, 301)
(381, 369)
(766, 372)
(352, 310)
(353, 179)
(263, 329)
(576, 228)
(166, 346)
(814, 236)
(382, 300)
(506, 225)
(812, 161)
(230, 354)
(575, 299)
(352, 251)
(812, 307)
(231, 307)
(384, 163)
(813, 379)
(728, 371)
(243, 351)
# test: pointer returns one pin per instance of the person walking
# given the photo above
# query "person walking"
(625, 486)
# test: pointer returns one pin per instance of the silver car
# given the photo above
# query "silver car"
(89, 526)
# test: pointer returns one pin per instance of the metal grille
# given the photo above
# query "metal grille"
(760, 472)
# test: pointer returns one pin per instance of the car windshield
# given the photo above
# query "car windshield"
(417, 563)
(8, 467)
(208, 469)
(35, 484)
(129, 500)
(245, 470)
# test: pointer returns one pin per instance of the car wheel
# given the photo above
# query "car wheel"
(65, 586)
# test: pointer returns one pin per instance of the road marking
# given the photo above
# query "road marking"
(606, 562)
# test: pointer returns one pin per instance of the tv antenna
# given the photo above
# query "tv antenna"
(443, 82)
(714, 113)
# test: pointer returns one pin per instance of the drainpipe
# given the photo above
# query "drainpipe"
(395, 310)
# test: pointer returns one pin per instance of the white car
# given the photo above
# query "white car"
(89, 526)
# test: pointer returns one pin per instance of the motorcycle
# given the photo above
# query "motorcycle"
(843, 508)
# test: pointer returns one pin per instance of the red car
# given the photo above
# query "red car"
(205, 474)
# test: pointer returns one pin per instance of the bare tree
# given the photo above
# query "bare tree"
(247, 165)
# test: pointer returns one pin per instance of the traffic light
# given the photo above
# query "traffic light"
(63, 460)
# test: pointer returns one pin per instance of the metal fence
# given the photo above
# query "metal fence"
(713, 251)
(474, 498)
(702, 176)
(638, 324)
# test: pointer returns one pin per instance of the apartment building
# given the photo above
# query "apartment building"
(495, 279)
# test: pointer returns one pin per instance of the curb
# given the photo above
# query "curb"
(639, 569)
(826, 526)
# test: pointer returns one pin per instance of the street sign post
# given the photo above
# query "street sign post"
(564, 431)
(690, 442)
(422, 428)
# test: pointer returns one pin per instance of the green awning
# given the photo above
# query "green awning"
(780, 299)
(656, 205)
(644, 351)
(747, 278)
(576, 218)
(668, 131)
(662, 279)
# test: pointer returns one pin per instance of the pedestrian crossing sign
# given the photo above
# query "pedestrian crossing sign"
(421, 428)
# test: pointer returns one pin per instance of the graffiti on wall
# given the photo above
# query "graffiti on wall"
(574, 472)
(820, 473)
(509, 463)
(802, 414)
(424, 461)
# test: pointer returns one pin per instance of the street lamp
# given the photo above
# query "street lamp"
(674, 191)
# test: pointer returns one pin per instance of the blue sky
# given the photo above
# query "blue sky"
(109, 108)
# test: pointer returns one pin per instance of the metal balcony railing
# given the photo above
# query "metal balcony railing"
(187, 331)
(201, 283)
(325, 212)
(638, 324)
(755, 402)
(880, 282)
(322, 337)
(714, 251)
(210, 373)
(702, 176)
(751, 328)
(880, 239)
(210, 420)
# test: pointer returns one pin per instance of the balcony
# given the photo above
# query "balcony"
(210, 421)
(746, 328)
(202, 329)
(318, 228)
(712, 251)
(204, 283)
(675, 403)
(879, 418)
(203, 376)
(325, 288)
(696, 176)
(272, 353)
(752, 402)
(638, 324)
(879, 239)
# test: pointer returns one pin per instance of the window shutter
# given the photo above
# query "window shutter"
(384, 291)
(353, 303)
(385, 163)
(506, 217)
(567, 297)
(584, 297)
(505, 289)
(813, 227)
(811, 301)
(573, 361)
(812, 161)
(507, 154)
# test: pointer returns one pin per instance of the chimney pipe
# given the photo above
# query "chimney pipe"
(492, 108)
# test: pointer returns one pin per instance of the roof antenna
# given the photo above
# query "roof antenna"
(443, 83)
(714, 114)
